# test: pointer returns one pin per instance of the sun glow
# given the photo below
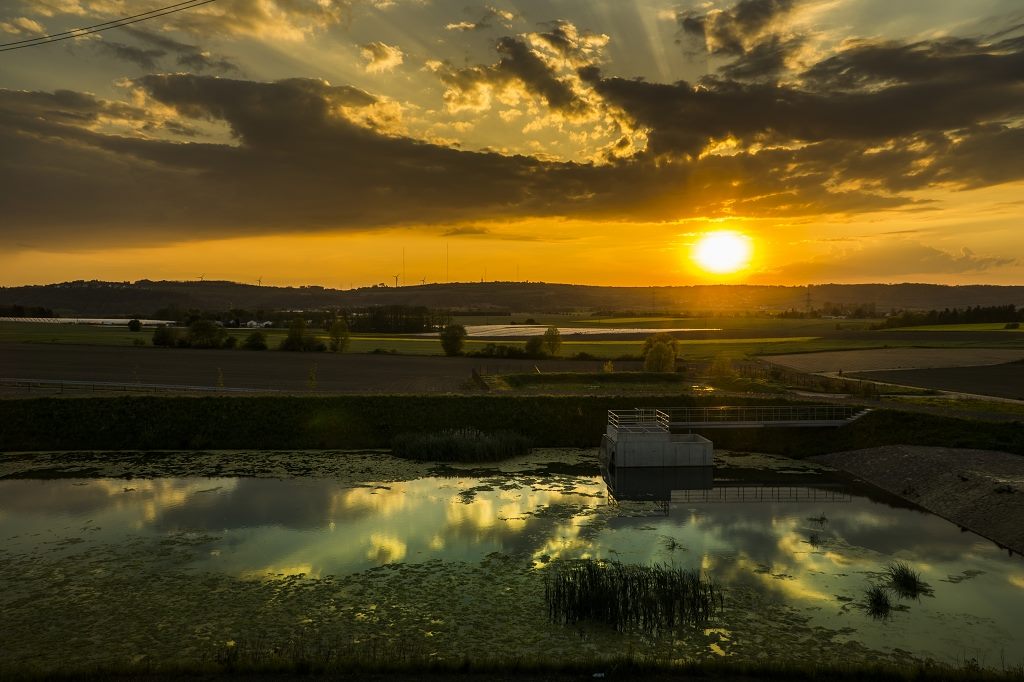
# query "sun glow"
(722, 252)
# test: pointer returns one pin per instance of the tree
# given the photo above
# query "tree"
(453, 337)
(339, 335)
(665, 338)
(721, 367)
(255, 341)
(206, 334)
(165, 336)
(552, 340)
(660, 358)
(299, 340)
(134, 325)
(535, 347)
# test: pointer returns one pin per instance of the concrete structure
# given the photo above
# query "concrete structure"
(652, 454)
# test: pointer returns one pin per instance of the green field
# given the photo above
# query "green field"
(768, 325)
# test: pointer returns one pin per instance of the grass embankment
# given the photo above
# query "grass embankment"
(460, 445)
(351, 422)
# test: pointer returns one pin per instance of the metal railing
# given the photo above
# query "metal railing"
(639, 419)
(663, 419)
(678, 416)
(763, 493)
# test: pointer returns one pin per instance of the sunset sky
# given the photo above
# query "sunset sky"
(342, 142)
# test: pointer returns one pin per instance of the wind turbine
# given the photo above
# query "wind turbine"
(202, 276)
(396, 280)
(259, 281)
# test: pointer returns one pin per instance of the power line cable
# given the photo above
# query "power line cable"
(96, 28)
(105, 23)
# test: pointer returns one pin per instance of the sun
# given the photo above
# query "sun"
(723, 251)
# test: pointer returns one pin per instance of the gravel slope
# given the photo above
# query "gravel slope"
(980, 490)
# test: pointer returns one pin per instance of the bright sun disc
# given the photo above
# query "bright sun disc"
(722, 252)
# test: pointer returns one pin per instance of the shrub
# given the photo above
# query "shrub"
(660, 358)
(206, 334)
(453, 338)
(165, 336)
(229, 342)
(255, 341)
(535, 347)
(651, 341)
(298, 340)
(499, 350)
(460, 445)
(1012, 325)
(721, 367)
(134, 326)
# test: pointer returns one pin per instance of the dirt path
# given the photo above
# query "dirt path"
(980, 490)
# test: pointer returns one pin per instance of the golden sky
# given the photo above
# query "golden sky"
(343, 142)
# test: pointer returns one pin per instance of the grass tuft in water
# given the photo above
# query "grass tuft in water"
(629, 597)
(878, 603)
(905, 581)
(460, 445)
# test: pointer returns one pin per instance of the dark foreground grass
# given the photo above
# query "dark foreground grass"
(356, 422)
(460, 445)
(629, 597)
(524, 670)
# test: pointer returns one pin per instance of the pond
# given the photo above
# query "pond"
(451, 561)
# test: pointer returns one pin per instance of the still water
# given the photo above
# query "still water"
(175, 567)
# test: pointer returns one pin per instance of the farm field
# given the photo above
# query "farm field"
(269, 370)
(895, 358)
(1002, 381)
(784, 337)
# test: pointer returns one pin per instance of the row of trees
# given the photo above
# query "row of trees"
(659, 352)
(977, 314)
(388, 319)
(204, 333)
(453, 340)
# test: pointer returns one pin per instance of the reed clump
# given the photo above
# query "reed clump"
(460, 445)
(905, 581)
(630, 597)
(878, 603)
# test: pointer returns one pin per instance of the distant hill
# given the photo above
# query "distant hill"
(144, 297)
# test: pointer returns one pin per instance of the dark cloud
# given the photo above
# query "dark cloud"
(852, 96)
(857, 132)
(144, 58)
(492, 16)
(729, 31)
(298, 164)
(745, 32)
(518, 64)
(190, 57)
